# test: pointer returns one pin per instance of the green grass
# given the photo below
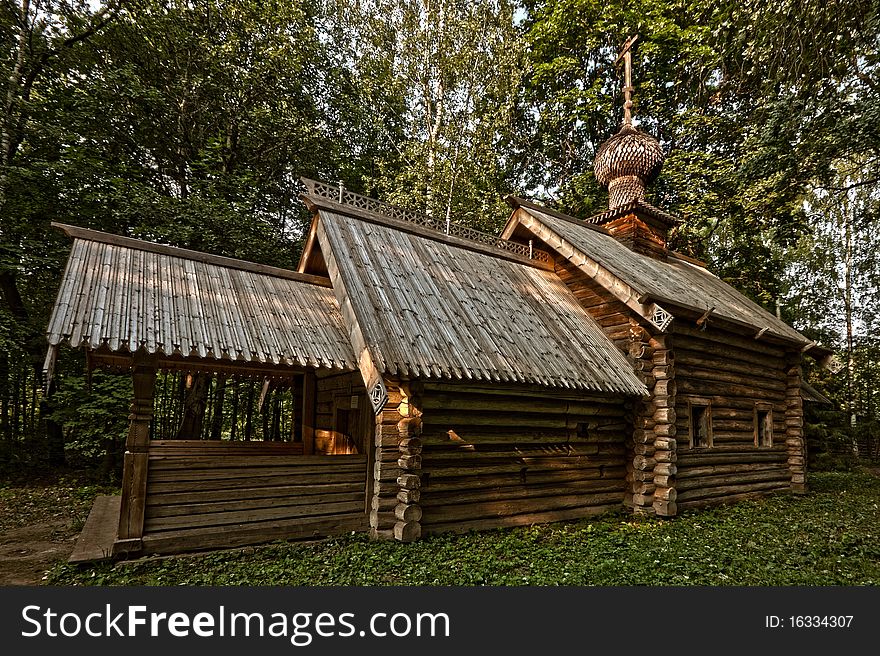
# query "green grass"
(829, 537)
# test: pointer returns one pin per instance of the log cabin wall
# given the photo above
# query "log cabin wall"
(506, 456)
(650, 475)
(734, 388)
(396, 464)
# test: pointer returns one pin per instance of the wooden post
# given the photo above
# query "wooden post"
(794, 422)
(137, 444)
(308, 413)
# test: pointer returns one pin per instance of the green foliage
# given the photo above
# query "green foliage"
(94, 417)
(826, 538)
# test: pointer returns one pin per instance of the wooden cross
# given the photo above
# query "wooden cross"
(626, 55)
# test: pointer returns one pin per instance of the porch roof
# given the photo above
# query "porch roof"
(122, 295)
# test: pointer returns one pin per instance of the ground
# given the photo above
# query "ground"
(39, 523)
(828, 537)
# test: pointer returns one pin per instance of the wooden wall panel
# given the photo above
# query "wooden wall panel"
(515, 458)
(203, 494)
(732, 373)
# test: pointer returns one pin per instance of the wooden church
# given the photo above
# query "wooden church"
(444, 379)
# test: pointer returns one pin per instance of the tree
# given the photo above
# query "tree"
(449, 72)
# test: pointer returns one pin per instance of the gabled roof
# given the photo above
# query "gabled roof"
(430, 307)
(123, 295)
(675, 282)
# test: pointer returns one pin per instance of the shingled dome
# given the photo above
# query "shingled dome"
(626, 163)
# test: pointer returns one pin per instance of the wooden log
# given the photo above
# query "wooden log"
(526, 519)
(409, 481)
(707, 493)
(693, 471)
(408, 512)
(277, 512)
(409, 496)
(241, 494)
(707, 482)
(407, 531)
(511, 492)
(665, 508)
(503, 508)
(227, 474)
(183, 540)
(483, 482)
(186, 509)
(665, 493)
(714, 337)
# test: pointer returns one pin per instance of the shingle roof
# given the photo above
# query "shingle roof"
(124, 294)
(430, 308)
(673, 282)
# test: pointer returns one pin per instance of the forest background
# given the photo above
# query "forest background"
(190, 123)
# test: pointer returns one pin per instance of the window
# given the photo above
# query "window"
(700, 424)
(763, 425)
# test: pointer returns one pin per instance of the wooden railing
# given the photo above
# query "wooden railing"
(339, 194)
(203, 494)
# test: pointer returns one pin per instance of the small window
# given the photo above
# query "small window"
(763, 426)
(700, 424)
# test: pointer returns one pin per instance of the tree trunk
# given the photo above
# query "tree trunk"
(194, 409)
(848, 312)
(217, 412)
(234, 420)
(249, 412)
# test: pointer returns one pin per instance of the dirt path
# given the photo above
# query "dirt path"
(27, 553)
(39, 524)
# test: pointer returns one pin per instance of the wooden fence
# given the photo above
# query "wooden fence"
(208, 495)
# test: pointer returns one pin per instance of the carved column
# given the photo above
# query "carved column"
(794, 423)
(135, 464)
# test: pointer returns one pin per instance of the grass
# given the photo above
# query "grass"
(829, 537)
(48, 498)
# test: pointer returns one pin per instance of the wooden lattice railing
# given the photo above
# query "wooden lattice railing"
(339, 194)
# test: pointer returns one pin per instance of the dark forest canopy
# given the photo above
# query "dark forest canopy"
(189, 123)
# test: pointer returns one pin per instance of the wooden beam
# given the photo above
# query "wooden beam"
(705, 316)
(373, 380)
(186, 254)
(136, 460)
(308, 413)
(594, 269)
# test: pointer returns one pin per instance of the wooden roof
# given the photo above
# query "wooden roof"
(673, 283)
(431, 308)
(123, 295)
(811, 395)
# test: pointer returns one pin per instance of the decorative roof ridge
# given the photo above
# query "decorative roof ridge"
(516, 202)
(87, 234)
(652, 211)
(339, 199)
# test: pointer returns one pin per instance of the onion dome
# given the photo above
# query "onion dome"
(626, 163)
